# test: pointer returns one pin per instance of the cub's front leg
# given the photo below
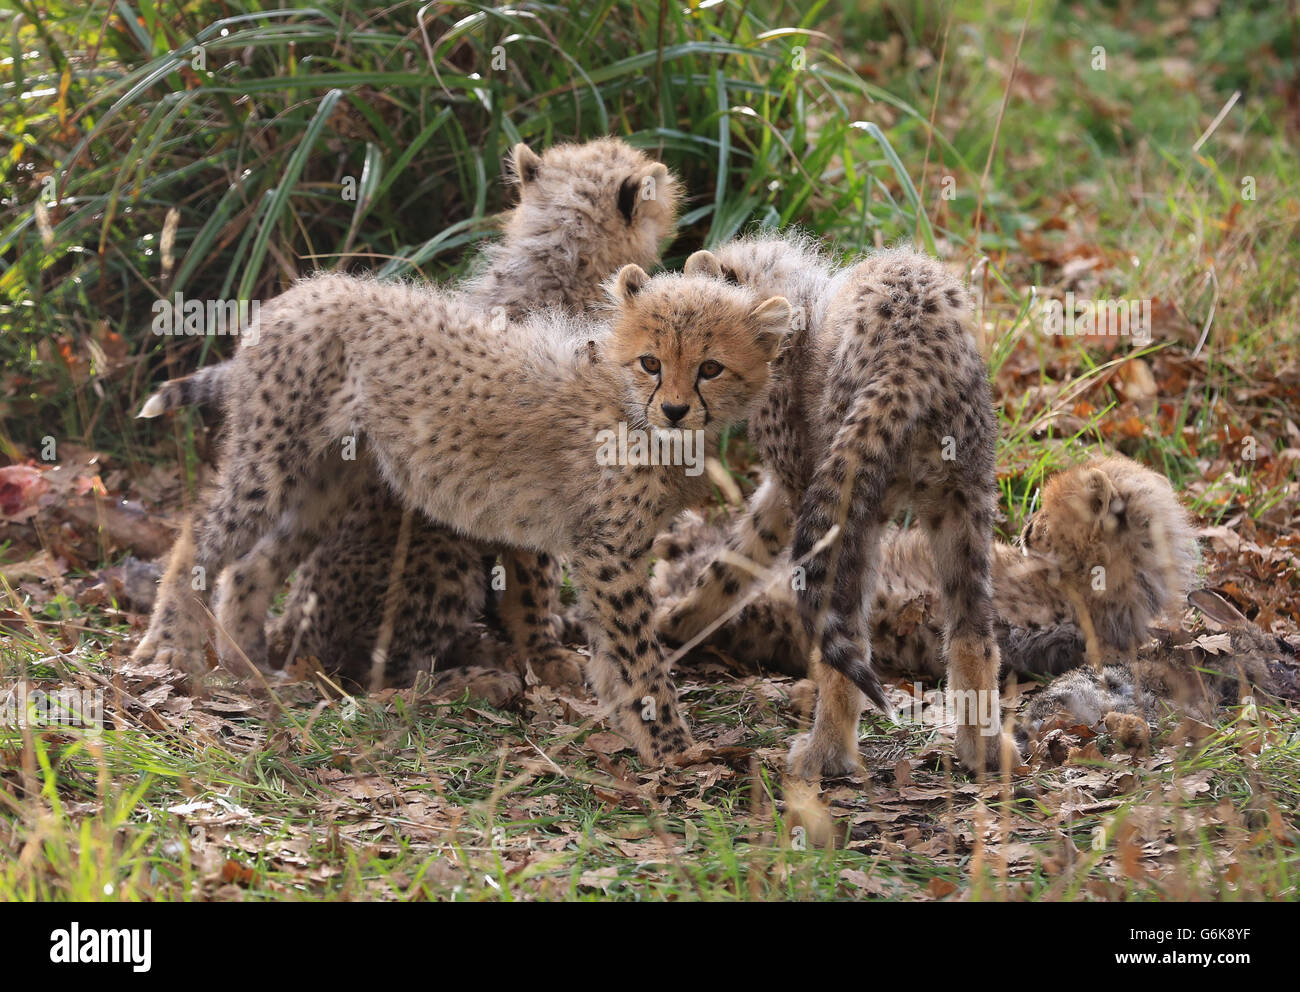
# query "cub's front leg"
(628, 667)
(530, 613)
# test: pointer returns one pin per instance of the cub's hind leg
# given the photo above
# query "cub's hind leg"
(248, 499)
(229, 523)
(243, 595)
(311, 507)
(177, 625)
(958, 519)
(839, 634)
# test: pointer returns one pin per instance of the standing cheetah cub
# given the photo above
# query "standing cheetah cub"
(367, 368)
(880, 401)
(584, 211)
(1111, 536)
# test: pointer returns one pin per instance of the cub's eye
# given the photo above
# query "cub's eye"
(710, 369)
(650, 364)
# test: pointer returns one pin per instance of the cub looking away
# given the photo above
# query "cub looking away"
(880, 401)
(490, 428)
(1111, 535)
(584, 211)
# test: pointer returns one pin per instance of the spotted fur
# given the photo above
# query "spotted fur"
(490, 429)
(879, 402)
(1110, 530)
(584, 211)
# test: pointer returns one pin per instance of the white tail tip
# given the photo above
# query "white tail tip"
(153, 406)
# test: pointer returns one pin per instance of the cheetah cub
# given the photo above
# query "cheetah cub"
(1111, 537)
(1112, 549)
(880, 401)
(584, 211)
(494, 430)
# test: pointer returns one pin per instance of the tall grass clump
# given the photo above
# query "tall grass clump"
(218, 151)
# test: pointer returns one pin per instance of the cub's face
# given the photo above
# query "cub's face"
(1115, 512)
(695, 351)
(1079, 508)
(611, 202)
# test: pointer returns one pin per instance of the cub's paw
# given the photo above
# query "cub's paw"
(499, 688)
(671, 746)
(661, 739)
(559, 667)
(177, 650)
(683, 620)
(812, 759)
(983, 752)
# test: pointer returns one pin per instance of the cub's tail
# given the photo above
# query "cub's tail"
(204, 387)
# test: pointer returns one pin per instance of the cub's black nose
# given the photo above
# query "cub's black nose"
(675, 411)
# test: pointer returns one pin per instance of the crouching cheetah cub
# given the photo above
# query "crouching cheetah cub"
(879, 401)
(493, 429)
(584, 211)
(1111, 550)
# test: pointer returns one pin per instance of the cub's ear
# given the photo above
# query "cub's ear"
(649, 184)
(703, 263)
(524, 164)
(1094, 499)
(630, 280)
(771, 320)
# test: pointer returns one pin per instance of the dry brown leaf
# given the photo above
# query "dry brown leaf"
(939, 888)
